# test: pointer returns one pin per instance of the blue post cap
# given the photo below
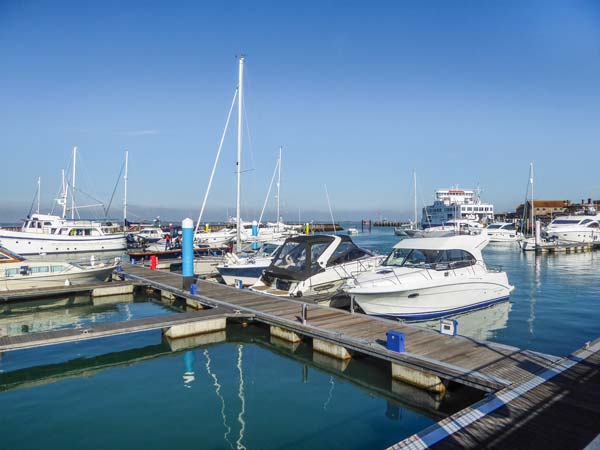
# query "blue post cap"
(395, 341)
(194, 289)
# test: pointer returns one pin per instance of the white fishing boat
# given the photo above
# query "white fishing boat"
(503, 232)
(352, 231)
(569, 229)
(427, 278)
(247, 268)
(18, 273)
(308, 265)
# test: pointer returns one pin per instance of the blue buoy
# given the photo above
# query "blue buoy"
(194, 289)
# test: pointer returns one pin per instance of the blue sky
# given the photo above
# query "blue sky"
(358, 93)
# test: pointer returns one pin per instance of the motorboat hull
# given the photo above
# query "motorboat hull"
(38, 281)
(432, 302)
(25, 243)
(579, 236)
(329, 281)
(247, 273)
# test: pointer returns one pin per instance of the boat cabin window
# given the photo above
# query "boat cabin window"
(510, 226)
(585, 221)
(268, 249)
(346, 252)
(593, 225)
(4, 257)
(316, 250)
(11, 272)
(40, 269)
(292, 257)
(57, 268)
(430, 259)
(564, 222)
(494, 226)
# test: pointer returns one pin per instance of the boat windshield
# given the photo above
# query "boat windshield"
(494, 226)
(292, 257)
(429, 259)
(268, 249)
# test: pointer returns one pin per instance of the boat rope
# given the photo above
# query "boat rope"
(212, 173)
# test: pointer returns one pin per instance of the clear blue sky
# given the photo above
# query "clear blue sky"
(358, 93)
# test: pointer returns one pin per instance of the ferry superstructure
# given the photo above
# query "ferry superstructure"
(456, 204)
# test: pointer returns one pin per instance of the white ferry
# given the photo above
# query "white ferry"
(452, 204)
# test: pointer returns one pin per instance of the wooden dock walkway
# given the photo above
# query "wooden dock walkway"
(88, 288)
(483, 365)
(31, 340)
(558, 408)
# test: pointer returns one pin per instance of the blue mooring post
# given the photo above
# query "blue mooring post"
(255, 235)
(189, 358)
(187, 253)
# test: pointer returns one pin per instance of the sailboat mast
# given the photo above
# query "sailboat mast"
(125, 189)
(278, 186)
(238, 244)
(415, 194)
(73, 183)
(39, 193)
(532, 212)
(64, 194)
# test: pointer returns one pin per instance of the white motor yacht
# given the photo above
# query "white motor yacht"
(247, 267)
(150, 234)
(428, 278)
(503, 232)
(581, 229)
(46, 234)
(308, 265)
(449, 228)
(18, 273)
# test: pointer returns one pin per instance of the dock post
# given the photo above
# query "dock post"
(187, 253)
(352, 304)
(255, 235)
(304, 313)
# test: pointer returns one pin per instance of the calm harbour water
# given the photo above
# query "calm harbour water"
(244, 391)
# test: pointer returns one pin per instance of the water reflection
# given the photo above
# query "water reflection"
(481, 325)
(66, 312)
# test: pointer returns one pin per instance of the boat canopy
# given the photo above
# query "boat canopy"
(301, 257)
(470, 243)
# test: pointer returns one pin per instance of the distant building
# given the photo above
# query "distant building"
(544, 207)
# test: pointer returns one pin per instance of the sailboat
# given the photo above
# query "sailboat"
(530, 243)
(49, 233)
(414, 225)
(239, 231)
